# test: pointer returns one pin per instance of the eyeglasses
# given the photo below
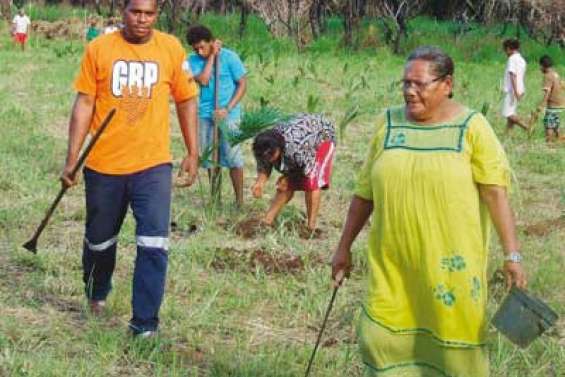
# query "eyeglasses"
(419, 85)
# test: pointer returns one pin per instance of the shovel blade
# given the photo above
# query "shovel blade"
(31, 245)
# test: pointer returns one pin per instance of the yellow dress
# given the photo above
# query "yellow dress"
(425, 309)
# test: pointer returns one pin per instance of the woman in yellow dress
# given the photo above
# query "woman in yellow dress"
(434, 173)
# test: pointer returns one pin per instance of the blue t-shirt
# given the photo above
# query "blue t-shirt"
(231, 71)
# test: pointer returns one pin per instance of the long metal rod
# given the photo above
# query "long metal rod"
(328, 310)
(31, 245)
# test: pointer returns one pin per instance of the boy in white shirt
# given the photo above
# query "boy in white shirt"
(20, 28)
(514, 87)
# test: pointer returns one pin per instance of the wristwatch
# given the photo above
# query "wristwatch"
(513, 256)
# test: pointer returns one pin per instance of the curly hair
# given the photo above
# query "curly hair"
(198, 33)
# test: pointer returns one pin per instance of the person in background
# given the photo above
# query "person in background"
(110, 26)
(513, 85)
(232, 87)
(434, 177)
(92, 31)
(20, 28)
(134, 71)
(553, 100)
(302, 149)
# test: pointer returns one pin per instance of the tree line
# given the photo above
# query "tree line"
(305, 20)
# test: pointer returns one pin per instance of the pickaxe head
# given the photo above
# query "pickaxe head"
(31, 245)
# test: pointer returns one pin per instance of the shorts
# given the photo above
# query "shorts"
(20, 38)
(551, 119)
(320, 177)
(509, 105)
(230, 157)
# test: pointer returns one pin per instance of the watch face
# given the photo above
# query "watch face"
(514, 257)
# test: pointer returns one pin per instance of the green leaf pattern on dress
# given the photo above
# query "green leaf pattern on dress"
(444, 294)
(454, 263)
(475, 288)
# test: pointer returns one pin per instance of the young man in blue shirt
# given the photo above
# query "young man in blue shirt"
(232, 87)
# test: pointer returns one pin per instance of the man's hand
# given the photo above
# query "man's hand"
(67, 179)
(519, 96)
(257, 190)
(220, 114)
(188, 171)
(514, 275)
(216, 47)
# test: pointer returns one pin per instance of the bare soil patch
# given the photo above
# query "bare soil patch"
(60, 303)
(252, 227)
(543, 228)
(250, 260)
(304, 232)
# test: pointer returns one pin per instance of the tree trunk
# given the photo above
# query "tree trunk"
(6, 10)
(402, 33)
(98, 7)
(174, 16)
(348, 23)
(354, 10)
(316, 18)
(290, 18)
(243, 20)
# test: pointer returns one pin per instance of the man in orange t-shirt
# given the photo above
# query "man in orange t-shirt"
(134, 71)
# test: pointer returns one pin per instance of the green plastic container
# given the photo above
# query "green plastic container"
(522, 318)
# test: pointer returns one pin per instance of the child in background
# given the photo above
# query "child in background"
(514, 87)
(553, 100)
(92, 31)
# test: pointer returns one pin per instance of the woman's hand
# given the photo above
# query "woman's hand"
(514, 274)
(257, 190)
(341, 266)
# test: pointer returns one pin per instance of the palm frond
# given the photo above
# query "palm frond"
(352, 113)
(206, 156)
(312, 103)
(485, 108)
(252, 123)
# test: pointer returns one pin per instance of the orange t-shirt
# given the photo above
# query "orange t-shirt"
(137, 80)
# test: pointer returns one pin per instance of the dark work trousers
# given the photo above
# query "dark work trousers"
(148, 192)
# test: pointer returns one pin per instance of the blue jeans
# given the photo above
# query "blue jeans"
(230, 157)
(148, 192)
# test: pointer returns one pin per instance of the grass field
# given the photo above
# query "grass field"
(236, 306)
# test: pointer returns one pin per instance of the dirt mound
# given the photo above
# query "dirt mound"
(72, 28)
(543, 228)
(250, 228)
(304, 232)
(251, 260)
(253, 227)
(60, 303)
(330, 342)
